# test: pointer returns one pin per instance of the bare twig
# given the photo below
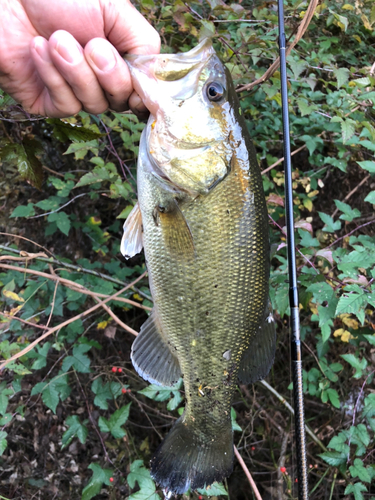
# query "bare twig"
(300, 32)
(248, 475)
(54, 260)
(117, 319)
(73, 285)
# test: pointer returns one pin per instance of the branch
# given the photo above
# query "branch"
(74, 286)
(300, 32)
(49, 332)
(248, 475)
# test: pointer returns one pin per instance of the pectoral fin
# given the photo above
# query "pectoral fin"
(176, 233)
(132, 239)
(259, 356)
(152, 356)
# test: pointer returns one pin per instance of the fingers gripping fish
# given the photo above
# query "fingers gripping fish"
(201, 217)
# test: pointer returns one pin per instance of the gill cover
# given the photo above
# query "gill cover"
(186, 135)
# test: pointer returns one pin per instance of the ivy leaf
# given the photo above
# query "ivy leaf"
(99, 477)
(23, 211)
(158, 393)
(62, 221)
(147, 490)
(330, 225)
(76, 429)
(356, 489)
(358, 470)
(214, 490)
(3, 441)
(78, 360)
(117, 419)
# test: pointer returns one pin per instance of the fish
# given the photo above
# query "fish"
(202, 220)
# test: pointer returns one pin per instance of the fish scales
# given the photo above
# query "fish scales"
(207, 253)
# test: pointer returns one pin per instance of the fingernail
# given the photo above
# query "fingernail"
(41, 48)
(105, 60)
(71, 53)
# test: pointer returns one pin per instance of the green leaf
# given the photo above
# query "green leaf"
(334, 397)
(356, 363)
(41, 355)
(342, 75)
(99, 174)
(304, 107)
(214, 490)
(64, 131)
(338, 443)
(51, 391)
(139, 474)
(3, 441)
(348, 211)
(117, 419)
(352, 303)
(104, 392)
(330, 225)
(76, 429)
(358, 470)
(62, 221)
(356, 489)
(80, 149)
(158, 393)
(371, 197)
(99, 477)
(23, 211)
(233, 415)
(78, 360)
(367, 165)
(334, 457)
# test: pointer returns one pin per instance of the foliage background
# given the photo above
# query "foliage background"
(75, 420)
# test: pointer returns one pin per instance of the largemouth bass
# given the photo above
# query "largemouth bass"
(201, 217)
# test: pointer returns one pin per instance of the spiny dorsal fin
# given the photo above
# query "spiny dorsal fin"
(259, 356)
(152, 356)
(132, 239)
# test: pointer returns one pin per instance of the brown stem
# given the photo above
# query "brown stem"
(248, 475)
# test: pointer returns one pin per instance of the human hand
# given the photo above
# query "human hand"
(57, 58)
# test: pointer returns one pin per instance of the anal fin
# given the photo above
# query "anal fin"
(132, 238)
(152, 356)
(259, 356)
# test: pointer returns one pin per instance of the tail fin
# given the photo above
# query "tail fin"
(189, 458)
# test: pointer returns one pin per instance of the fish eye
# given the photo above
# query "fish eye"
(215, 91)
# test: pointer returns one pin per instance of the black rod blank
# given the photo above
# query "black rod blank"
(293, 290)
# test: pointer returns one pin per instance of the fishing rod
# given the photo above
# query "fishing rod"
(299, 414)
